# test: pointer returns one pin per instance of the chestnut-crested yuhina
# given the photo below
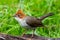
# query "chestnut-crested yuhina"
(30, 22)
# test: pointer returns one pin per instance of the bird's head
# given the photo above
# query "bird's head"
(19, 14)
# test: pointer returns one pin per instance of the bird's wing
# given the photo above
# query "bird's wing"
(33, 22)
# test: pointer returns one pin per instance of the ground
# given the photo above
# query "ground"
(36, 8)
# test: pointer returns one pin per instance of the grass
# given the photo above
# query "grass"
(34, 8)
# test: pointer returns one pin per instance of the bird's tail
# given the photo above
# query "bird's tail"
(45, 16)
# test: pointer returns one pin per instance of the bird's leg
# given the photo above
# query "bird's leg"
(24, 32)
(33, 33)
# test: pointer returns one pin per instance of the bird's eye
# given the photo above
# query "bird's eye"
(18, 14)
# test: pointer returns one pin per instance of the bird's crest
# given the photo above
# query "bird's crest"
(20, 14)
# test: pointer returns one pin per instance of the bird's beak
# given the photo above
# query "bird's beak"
(14, 15)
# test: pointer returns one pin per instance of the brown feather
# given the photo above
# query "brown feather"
(20, 14)
(33, 22)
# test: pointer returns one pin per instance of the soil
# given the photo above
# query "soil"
(25, 37)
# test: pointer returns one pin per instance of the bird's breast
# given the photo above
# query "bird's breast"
(22, 22)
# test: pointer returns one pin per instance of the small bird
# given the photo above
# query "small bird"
(30, 22)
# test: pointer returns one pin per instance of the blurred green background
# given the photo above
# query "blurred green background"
(34, 8)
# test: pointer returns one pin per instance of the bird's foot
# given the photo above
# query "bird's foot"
(32, 36)
(22, 35)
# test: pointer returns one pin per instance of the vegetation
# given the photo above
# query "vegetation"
(34, 8)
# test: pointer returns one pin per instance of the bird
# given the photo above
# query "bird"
(30, 22)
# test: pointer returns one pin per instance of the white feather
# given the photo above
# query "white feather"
(22, 22)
